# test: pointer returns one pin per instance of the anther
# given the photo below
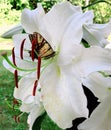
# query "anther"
(16, 78)
(21, 48)
(35, 87)
(13, 56)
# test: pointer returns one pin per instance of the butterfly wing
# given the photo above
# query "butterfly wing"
(41, 47)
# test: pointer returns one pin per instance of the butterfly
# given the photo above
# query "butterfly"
(40, 47)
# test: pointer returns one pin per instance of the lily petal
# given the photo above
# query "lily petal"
(34, 114)
(56, 21)
(88, 60)
(98, 84)
(100, 118)
(74, 33)
(31, 19)
(96, 34)
(62, 95)
(25, 88)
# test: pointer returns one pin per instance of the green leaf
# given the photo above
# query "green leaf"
(38, 122)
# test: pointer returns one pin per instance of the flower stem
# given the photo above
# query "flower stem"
(84, 7)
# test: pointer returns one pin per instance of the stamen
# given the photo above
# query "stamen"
(34, 88)
(16, 78)
(13, 56)
(38, 67)
(21, 48)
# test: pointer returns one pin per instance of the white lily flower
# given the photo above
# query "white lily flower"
(61, 85)
(100, 118)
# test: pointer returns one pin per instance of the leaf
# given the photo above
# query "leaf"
(38, 122)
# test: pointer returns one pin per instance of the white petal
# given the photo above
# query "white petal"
(30, 102)
(31, 19)
(74, 29)
(62, 96)
(96, 34)
(34, 110)
(88, 60)
(26, 107)
(17, 29)
(25, 88)
(34, 114)
(57, 20)
(100, 118)
(98, 84)
(73, 35)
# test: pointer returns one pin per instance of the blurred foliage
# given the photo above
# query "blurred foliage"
(102, 10)
(7, 14)
(8, 10)
(47, 4)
